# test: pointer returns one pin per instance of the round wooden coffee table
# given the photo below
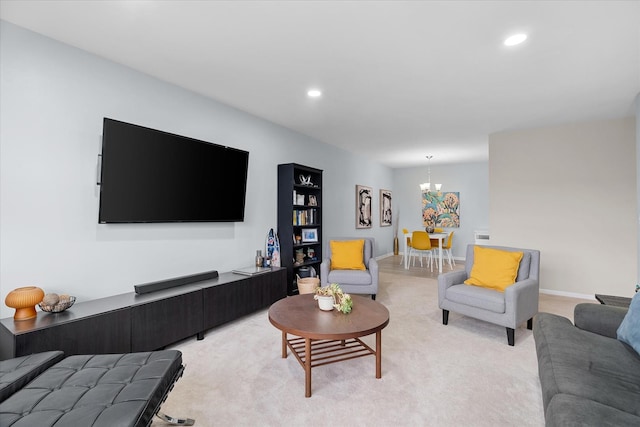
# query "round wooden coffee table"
(324, 337)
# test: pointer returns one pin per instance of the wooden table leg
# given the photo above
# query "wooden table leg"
(307, 367)
(379, 354)
(284, 345)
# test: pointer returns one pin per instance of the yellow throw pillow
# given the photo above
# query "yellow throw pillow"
(493, 268)
(347, 254)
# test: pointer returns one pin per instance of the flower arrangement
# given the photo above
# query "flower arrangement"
(341, 301)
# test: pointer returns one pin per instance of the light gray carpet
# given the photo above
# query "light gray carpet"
(462, 374)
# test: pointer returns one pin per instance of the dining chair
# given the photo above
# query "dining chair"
(446, 250)
(436, 242)
(421, 245)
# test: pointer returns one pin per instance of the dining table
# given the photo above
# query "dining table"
(439, 236)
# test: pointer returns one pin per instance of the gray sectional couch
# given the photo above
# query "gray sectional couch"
(588, 377)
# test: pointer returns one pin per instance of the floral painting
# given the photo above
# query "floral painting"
(441, 209)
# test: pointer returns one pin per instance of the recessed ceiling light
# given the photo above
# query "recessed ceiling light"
(515, 39)
(314, 93)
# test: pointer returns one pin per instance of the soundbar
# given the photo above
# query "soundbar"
(146, 288)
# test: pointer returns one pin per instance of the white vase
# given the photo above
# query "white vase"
(325, 302)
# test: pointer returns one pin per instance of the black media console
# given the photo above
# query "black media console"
(147, 321)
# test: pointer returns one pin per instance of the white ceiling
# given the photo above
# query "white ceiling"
(401, 79)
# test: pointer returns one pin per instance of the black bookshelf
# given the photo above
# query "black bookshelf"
(299, 214)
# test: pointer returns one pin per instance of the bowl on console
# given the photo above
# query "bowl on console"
(61, 306)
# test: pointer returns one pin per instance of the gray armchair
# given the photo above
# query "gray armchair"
(517, 304)
(353, 281)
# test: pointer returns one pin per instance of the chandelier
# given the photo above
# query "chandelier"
(426, 186)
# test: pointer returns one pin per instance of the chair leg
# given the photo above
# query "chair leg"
(445, 317)
(373, 297)
(530, 324)
(511, 336)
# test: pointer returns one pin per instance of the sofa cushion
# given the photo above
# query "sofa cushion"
(566, 410)
(352, 277)
(629, 330)
(17, 372)
(494, 268)
(476, 296)
(587, 365)
(347, 254)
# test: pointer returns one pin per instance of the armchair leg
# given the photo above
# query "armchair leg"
(445, 317)
(510, 336)
(530, 324)
(373, 297)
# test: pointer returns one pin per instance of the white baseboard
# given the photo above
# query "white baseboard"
(568, 294)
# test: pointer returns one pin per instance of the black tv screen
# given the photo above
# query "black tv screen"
(152, 176)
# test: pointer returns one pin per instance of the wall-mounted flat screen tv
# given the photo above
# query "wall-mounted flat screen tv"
(152, 176)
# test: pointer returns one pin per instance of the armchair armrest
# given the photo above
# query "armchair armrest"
(446, 280)
(521, 300)
(598, 318)
(452, 278)
(373, 270)
(325, 267)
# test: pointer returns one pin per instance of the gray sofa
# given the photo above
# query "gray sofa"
(588, 377)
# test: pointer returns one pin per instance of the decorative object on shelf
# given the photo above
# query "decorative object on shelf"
(385, 208)
(299, 256)
(24, 301)
(426, 186)
(259, 259)
(308, 285)
(313, 201)
(332, 294)
(311, 253)
(307, 271)
(363, 206)
(305, 180)
(309, 235)
(63, 303)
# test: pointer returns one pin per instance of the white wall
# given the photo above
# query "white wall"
(470, 179)
(53, 98)
(569, 191)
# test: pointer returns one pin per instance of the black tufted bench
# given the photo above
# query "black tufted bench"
(89, 390)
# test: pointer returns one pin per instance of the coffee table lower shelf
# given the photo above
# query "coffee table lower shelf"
(324, 352)
(313, 353)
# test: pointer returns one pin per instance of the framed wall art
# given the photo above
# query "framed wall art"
(385, 208)
(363, 206)
(309, 235)
(441, 209)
